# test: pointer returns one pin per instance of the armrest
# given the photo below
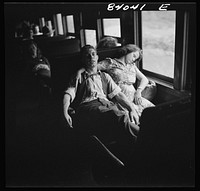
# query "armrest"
(150, 91)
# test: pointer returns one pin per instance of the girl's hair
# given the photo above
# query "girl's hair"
(126, 49)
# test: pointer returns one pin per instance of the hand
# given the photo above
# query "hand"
(134, 117)
(138, 97)
(68, 120)
(79, 75)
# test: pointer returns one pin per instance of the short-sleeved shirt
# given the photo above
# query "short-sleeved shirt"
(93, 87)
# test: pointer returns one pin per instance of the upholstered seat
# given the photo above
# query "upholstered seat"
(150, 91)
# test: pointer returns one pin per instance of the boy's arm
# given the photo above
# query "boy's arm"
(66, 104)
(78, 74)
(69, 96)
(123, 100)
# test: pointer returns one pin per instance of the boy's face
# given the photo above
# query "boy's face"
(90, 58)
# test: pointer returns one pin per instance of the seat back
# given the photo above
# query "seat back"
(165, 144)
(58, 46)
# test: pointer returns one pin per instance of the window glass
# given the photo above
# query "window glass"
(70, 24)
(158, 41)
(112, 27)
(59, 24)
(90, 37)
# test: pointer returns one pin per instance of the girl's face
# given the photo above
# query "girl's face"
(132, 57)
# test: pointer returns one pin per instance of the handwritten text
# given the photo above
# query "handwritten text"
(124, 7)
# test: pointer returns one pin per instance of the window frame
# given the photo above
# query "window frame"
(76, 20)
(104, 27)
(83, 28)
(70, 33)
(100, 27)
(181, 45)
(85, 35)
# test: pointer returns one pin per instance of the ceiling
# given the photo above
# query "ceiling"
(19, 11)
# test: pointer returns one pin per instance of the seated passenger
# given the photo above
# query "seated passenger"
(37, 68)
(36, 30)
(48, 32)
(27, 34)
(95, 113)
(124, 72)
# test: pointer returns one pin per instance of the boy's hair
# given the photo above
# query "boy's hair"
(85, 49)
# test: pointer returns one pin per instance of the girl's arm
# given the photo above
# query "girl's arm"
(143, 83)
(104, 65)
(100, 66)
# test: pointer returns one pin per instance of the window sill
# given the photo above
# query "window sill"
(170, 86)
(161, 82)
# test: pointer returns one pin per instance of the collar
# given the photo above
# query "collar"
(88, 75)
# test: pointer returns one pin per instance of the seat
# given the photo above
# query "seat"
(150, 91)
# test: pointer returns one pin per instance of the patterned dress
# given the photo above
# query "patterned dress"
(125, 77)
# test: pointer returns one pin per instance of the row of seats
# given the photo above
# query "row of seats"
(57, 46)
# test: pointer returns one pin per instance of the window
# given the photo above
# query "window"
(58, 24)
(70, 24)
(158, 42)
(112, 27)
(49, 24)
(90, 37)
(42, 22)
